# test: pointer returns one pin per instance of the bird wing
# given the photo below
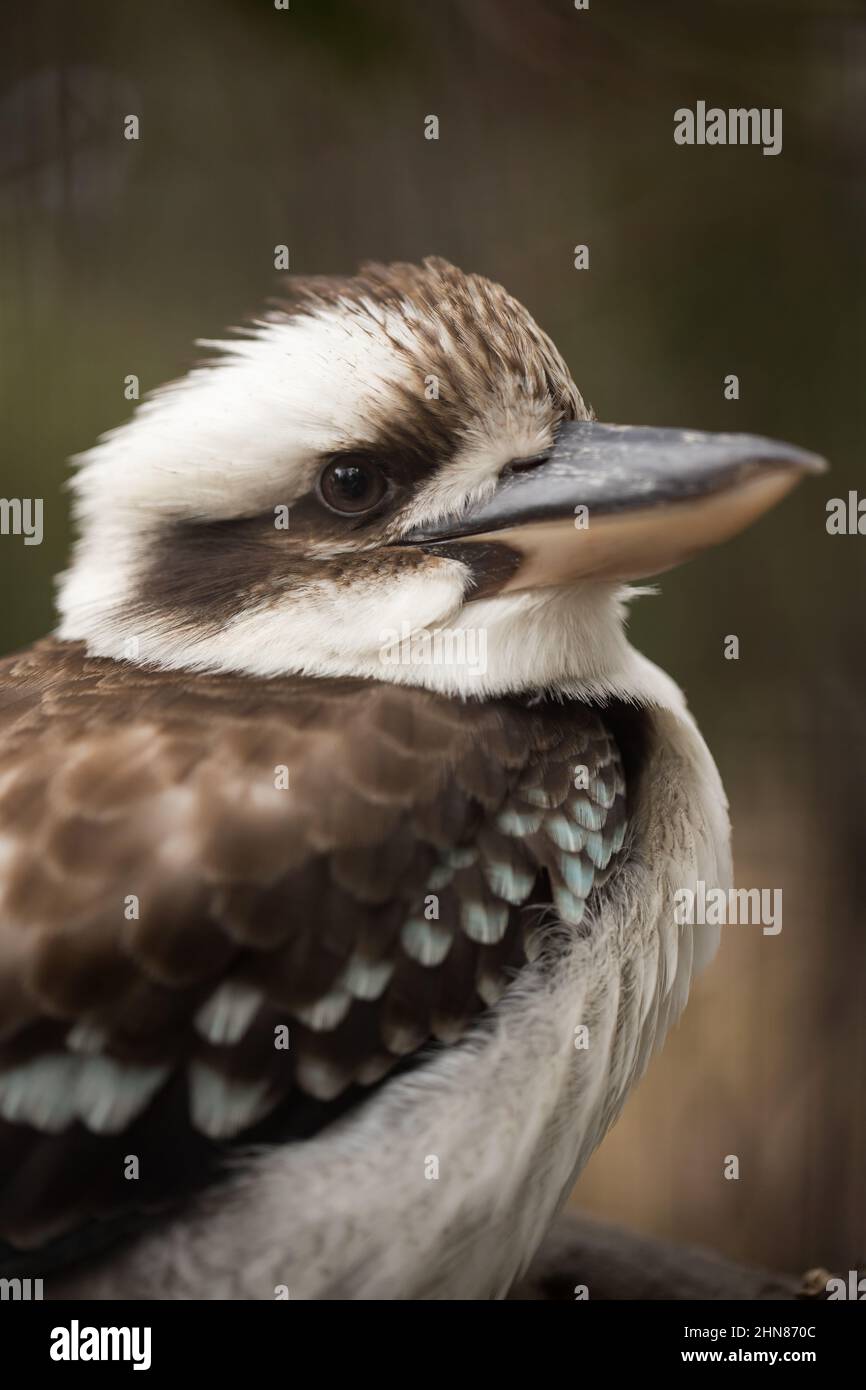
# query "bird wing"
(225, 899)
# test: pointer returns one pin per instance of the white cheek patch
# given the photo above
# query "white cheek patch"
(330, 629)
(342, 627)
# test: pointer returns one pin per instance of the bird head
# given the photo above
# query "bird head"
(394, 475)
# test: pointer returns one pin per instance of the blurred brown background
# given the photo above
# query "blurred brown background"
(305, 127)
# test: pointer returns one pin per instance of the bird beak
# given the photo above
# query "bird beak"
(621, 502)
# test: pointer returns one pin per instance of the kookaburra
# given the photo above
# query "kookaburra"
(340, 825)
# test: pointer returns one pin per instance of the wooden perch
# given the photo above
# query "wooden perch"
(617, 1264)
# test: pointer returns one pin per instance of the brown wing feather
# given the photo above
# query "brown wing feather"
(168, 905)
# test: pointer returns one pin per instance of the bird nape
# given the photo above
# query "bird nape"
(342, 826)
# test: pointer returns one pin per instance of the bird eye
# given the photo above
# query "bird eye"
(351, 485)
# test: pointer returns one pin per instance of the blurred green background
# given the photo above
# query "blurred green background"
(305, 127)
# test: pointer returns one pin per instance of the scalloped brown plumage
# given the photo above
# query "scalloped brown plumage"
(256, 907)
